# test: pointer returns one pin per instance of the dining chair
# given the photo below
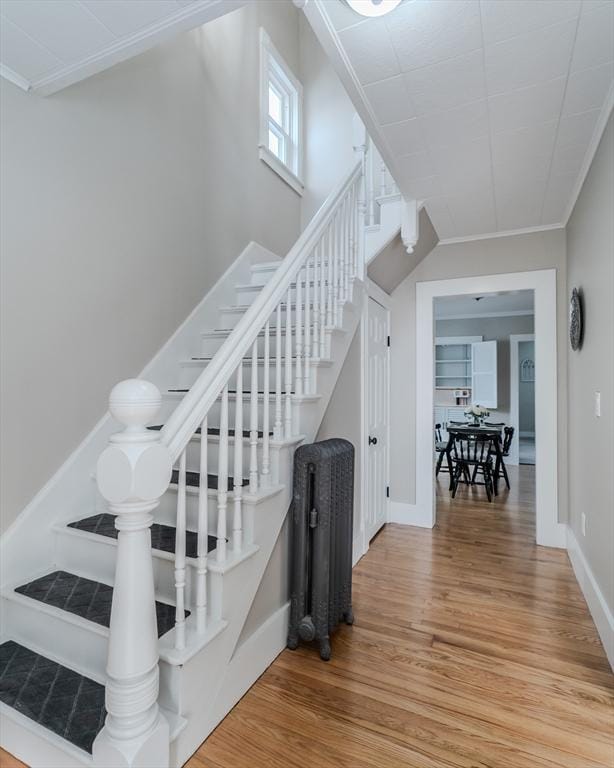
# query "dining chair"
(472, 453)
(440, 447)
(508, 434)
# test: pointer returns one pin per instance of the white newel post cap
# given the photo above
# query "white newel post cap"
(136, 466)
(134, 403)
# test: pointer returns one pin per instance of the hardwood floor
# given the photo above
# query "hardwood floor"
(472, 648)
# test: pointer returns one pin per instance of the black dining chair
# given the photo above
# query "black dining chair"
(472, 453)
(508, 435)
(440, 447)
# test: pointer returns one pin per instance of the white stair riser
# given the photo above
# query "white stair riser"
(193, 456)
(211, 343)
(230, 317)
(75, 644)
(96, 559)
(246, 294)
(189, 373)
(262, 274)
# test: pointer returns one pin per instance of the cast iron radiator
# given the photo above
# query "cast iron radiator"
(321, 542)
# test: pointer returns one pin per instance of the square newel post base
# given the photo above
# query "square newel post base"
(151, 750)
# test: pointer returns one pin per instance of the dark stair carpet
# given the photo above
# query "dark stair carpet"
(193, 479)
(234, 392)
(63, 701)
(162, 536)
(86, 598)
(215, 431)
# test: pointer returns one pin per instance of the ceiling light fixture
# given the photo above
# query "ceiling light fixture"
(373, 7)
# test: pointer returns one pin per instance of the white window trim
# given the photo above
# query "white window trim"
(292, 177)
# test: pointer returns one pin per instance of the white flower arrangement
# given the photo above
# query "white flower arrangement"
(476, 412)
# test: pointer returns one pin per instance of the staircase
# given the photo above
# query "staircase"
(122, 645)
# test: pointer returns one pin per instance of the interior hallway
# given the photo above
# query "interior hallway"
(472, 648)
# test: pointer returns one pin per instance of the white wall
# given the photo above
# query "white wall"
(481, 257)
(328, 123)
(496, 329)
(124, 198)
(590, 262)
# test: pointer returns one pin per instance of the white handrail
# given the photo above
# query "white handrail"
(188, 415)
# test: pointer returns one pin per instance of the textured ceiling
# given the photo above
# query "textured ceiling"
(489, 305)
(488, 107)
(48, 44)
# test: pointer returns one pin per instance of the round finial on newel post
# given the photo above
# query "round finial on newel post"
(134, 403)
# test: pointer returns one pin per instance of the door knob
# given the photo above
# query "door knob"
(372, 440)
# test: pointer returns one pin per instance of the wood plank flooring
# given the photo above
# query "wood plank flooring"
(472, 648)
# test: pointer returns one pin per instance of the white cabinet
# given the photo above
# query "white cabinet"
(484, 373)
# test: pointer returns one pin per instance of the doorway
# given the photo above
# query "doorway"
(376, 416)
(549, 531)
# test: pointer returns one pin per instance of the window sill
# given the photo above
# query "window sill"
(281, 170)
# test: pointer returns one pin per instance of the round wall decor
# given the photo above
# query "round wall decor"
(575, 320)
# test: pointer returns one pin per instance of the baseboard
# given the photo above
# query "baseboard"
(409, 514)
(599, 610)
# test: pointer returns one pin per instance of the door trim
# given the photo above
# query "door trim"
(515, 339)
(373, 291)
(549, 531)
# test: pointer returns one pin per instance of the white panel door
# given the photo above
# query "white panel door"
(484, 373)
(377, 416)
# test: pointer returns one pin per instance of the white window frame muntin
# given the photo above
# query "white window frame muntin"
(274, 69)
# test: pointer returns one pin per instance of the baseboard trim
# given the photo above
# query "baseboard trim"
(599, 610)
(409, 514)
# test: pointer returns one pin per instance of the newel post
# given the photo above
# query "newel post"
(361, 141)
(133, 472)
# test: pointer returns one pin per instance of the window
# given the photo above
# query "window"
(281, 97)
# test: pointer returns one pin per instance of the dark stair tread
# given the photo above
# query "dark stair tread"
(246, 392)
(215, 431)
(162, 536)
(61, 700)
(86, 598)
(193, 480)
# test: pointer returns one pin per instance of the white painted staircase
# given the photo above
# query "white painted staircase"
(131, 601)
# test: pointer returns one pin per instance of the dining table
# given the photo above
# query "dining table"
(493, 433)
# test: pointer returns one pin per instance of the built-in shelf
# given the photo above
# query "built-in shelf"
(466, 360)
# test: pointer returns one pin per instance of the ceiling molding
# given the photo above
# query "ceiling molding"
(508, 233)
(14, 78)
(604, 116)
(317, 15)
(183, 20)
(471, 316)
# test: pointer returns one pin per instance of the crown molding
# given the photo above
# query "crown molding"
(604, 116)
(189, 17)
(507, 233)
(8, 74)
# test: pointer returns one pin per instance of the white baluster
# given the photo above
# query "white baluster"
(222, 476)
(317, 267)
(132, 474)
(253, 422)
(307, 366)
(278, 427)
(203, 533)
(288, 372)
(266, 461)
(362, 214)
(299, 333)
(383, 170)
(323, 297)
(337, 272)
(352, 255)
(330, 304)
(237, 518)
(346, 248)
(180, 556)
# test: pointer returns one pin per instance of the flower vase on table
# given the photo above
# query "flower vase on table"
(476, 414)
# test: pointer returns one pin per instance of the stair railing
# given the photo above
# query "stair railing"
(246, 392)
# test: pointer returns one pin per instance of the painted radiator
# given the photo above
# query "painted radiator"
(321, 542)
